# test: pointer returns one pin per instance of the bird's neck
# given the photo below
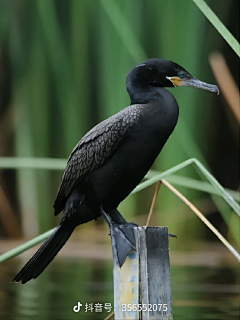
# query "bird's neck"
(143, 95)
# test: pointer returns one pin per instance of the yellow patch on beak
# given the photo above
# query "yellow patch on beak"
(176, 81)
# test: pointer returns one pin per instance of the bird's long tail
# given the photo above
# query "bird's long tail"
(45, 253)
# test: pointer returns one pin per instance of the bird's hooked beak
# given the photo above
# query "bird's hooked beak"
(193, 82)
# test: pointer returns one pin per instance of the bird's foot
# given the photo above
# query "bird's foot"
(128, 230)
(123, 241)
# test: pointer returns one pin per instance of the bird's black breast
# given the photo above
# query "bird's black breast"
(114, 180)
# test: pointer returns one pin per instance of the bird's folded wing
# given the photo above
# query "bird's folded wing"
(94, 149)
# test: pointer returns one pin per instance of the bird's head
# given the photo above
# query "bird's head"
(164, 73)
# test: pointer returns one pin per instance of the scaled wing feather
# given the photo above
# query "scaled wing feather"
(94, 149)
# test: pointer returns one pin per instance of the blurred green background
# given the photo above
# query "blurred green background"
(63, 68)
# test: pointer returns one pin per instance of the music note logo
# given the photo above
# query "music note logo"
(77, 307)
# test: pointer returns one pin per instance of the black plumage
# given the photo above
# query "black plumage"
(93, 151)
(113, 157)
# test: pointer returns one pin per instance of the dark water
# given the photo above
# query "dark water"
(197, 292)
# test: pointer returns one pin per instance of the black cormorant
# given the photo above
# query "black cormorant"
(112, 158)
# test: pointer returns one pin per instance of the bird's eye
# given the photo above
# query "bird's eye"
(182, 74)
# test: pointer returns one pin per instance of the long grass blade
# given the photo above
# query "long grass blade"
(24, 247)
(124, 30)
(32, 163)
(205, 220)
(140, 187)
(152, 176)
(153, 202)
(60, 164)
(228, 198)
(217, 185)
(219, 26)
(194, 184)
